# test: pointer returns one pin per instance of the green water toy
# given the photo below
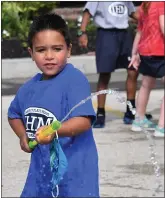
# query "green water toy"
(49, 130)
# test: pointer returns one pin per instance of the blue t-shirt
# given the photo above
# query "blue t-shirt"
(38, 103)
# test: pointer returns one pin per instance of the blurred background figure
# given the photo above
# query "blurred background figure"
(113, 49)
(149, 44)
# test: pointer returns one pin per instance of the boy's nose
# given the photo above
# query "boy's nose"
(49, 55)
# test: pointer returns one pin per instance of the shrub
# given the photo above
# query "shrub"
(17, 16)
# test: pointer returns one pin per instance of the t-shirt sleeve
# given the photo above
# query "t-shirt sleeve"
(131, 8)
(91, 7)
(161, 8)
(14, 110)
(79, 90)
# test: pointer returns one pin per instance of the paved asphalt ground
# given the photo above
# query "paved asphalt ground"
(10, 86)
(124, 156)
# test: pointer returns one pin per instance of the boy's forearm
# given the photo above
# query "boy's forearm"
(17, 126)
(136, 42)
(85, 20)
(74, 126)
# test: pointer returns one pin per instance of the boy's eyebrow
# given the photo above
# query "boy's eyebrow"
(37, 47)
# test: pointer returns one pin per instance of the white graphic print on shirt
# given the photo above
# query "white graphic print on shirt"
(35, 118)
(118, 9)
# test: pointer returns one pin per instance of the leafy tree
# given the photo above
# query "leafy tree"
(17, 16)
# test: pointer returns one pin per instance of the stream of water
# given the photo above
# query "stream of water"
(122, 100)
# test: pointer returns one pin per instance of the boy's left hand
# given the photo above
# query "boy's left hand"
(41, 139)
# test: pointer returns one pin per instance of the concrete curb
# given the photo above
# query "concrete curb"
(25, 67)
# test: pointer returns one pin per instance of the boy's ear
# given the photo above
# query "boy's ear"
(31, 52)
(69, 50)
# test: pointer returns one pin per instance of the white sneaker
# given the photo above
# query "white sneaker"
(137, 126)
(159, 132)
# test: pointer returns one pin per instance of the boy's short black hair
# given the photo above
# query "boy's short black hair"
(49, 21)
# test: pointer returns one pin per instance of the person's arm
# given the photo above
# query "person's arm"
(161, 22)
(83, 38)
(17, 126)
(85, 20)
(161, 14)
(136, 43)
(132, 12)
(74, 126)
(69, 128)
(135, 59)
(16, 123)
(88, 12)
(134, 16)
(19, 129)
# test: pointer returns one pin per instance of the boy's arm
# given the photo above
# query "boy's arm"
(16, 123)
(19, 129)
(74, 126)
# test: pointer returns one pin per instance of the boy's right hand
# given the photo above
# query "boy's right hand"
(24, 144)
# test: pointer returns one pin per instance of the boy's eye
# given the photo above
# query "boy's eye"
(57, 49)
(40, 50)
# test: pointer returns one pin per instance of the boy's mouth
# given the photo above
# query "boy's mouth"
(50, 65)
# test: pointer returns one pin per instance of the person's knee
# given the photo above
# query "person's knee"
(148, 83)
(104, 78)
(132, 75)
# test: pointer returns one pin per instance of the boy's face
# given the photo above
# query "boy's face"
(49, 52)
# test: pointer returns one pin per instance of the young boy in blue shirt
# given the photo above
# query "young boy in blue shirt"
(49, 96)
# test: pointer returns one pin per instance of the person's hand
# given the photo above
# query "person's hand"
(83, 40)
(135, 61)
(24, 144)
(41, 139)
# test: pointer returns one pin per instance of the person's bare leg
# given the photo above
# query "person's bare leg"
(148, 83)
(102, 84)
(161, 117)
(131, 84)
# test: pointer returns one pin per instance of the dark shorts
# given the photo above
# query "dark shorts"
(153, 66)
(113, 49)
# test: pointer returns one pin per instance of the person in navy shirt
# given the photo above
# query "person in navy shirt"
(49, 96)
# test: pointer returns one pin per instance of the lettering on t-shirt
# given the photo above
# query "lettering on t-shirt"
(118, 9)
(35, 118)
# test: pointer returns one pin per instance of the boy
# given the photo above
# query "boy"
(49, 96)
